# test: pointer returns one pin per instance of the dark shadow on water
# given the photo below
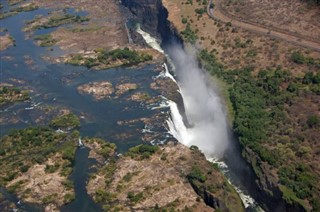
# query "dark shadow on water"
(83, 201)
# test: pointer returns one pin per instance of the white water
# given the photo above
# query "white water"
(151, 41)
(203, 108)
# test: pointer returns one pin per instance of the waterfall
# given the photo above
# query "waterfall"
(177, 128)
(151, 41)
(128, 33)
(203, 108)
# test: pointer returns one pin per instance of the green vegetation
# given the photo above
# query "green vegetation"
(17, 10)
(299, 58)
(65, 121)
(200, 11)
(14, 2)
(27, 8)
(189, 35)
(197, 174)
(49, 199)
(313, 121)
(189, 2)
(106, 149)
(69, 197)
(239, 43)
(135, 197)
(21, 149)
(4, 15)
(261, 120)
(205, 179)
(290, 197)
(184, 20)
(9, 95)
(102, 196)
(61, 20)
(45, 40)
(105, 59)
(142, 151)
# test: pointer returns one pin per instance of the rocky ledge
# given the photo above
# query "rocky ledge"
(168, 177)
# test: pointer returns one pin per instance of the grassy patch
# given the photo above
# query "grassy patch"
(9, 95)
(65, 121)
(27, 8)
(45, 40)
(105, 59)
(61, 20)
(189, 35)
(142, 151)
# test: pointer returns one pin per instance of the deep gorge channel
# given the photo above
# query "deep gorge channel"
(153, 17)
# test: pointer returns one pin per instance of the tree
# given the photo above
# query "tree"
(313, 121)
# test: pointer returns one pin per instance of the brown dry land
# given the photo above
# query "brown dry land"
(99, 90)
(105, 28)
(37, 184)
(158, 181)
(300, 18)
(225, 41)
(218, 13)
(5, 42)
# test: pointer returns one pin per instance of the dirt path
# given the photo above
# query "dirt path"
(218, 13)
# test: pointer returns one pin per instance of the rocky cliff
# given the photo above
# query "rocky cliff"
(216, 193)
(153, 17)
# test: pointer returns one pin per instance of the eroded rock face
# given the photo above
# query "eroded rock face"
(147, 12)
(160, 180)
(99, 90)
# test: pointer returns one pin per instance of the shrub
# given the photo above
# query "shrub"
(65, 121)
(197, 174)
(184, 20)
(135, 197)
(313, 121)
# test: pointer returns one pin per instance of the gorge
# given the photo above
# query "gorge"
(131, 106)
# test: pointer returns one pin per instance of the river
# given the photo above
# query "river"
(54, 85)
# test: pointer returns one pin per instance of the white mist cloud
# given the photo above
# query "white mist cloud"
(203, 107)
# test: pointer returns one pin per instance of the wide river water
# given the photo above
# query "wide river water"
(55, 86)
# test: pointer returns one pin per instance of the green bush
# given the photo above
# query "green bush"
(184, 20)
(135, 197)
(197, 174)
(189, 35)
(142, 151)
(65, 121)
(313, 121)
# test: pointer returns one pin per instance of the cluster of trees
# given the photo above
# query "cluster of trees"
(12, 94)
(131, 57)
(107, 59)
(189, 35)
(299, 58)
(61, 20)
(46, 40)
(23, 148)
(258, 102)
(142, 151)
(65, 121)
